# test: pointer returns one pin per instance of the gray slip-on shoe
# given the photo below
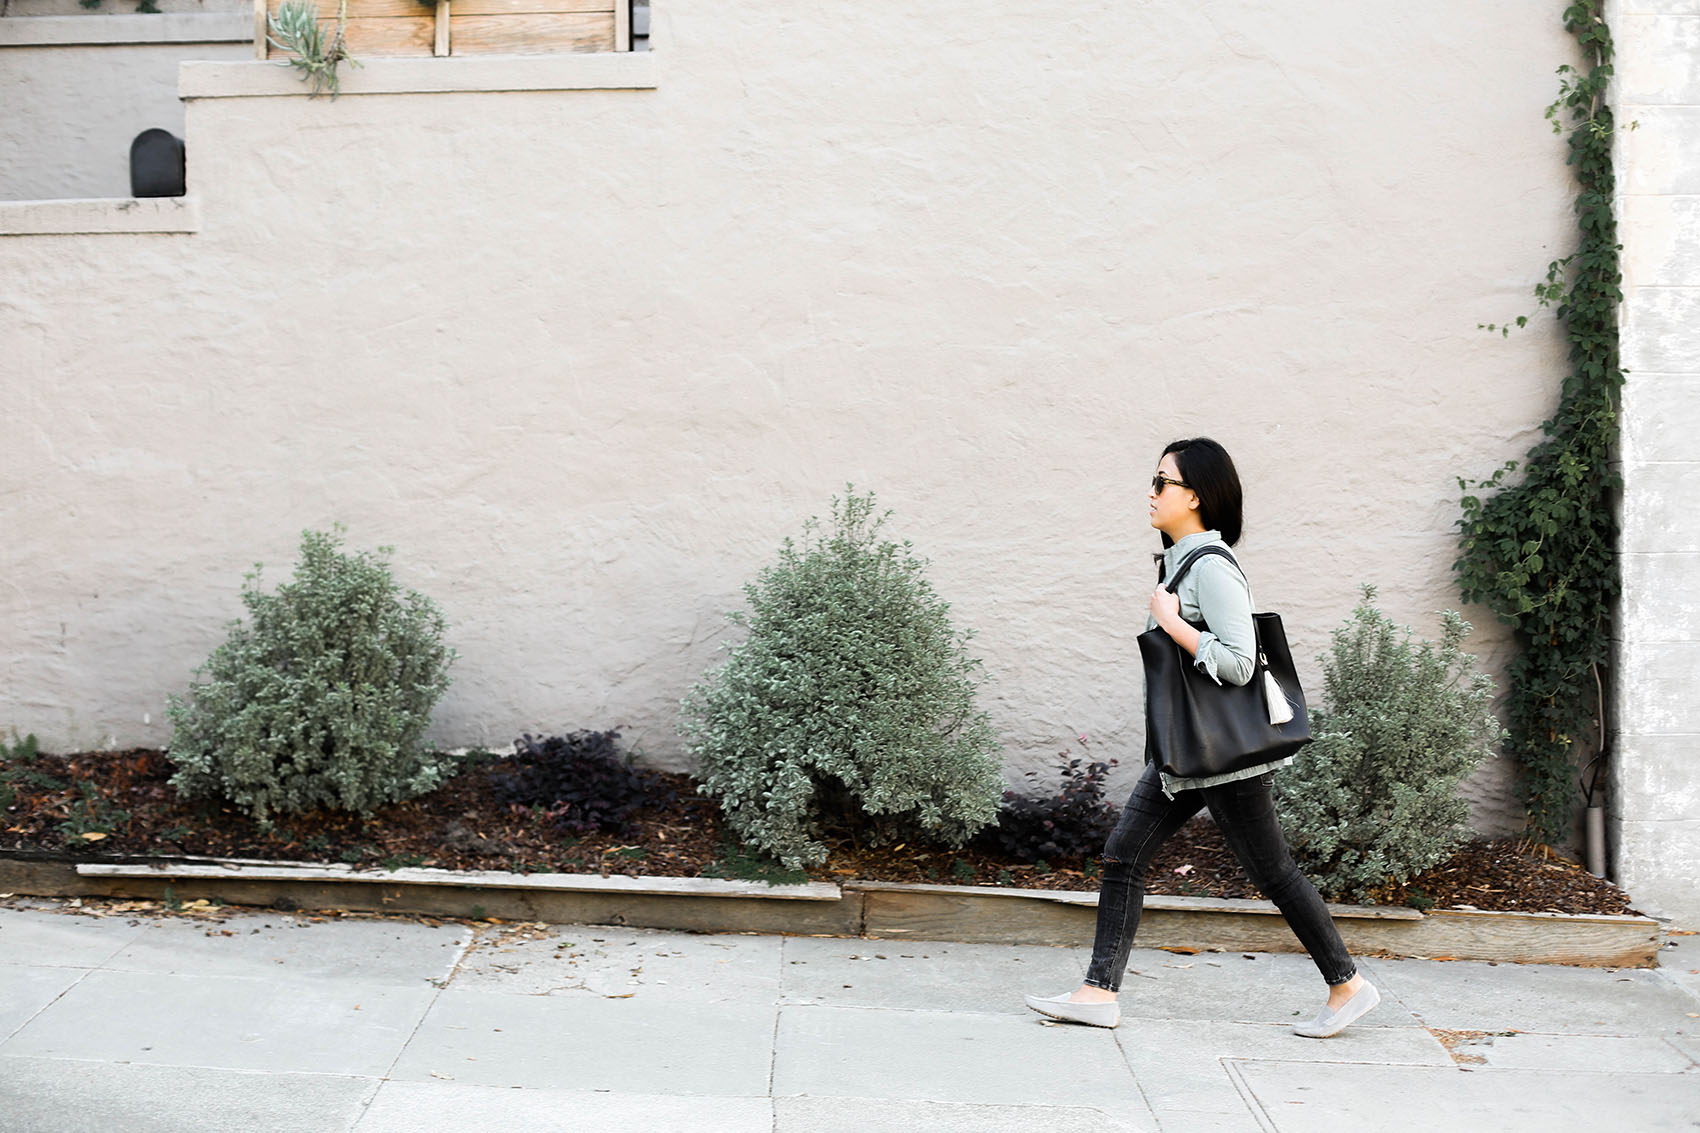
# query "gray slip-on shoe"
(1328, 1023)
(1092, 1014)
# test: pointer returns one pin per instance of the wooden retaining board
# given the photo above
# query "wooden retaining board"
(1033, 916)
(870, 909)
(988, 915)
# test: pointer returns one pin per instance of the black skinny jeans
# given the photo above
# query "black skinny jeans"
(1245, 812)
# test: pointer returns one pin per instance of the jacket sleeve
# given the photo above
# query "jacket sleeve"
(1227, 647)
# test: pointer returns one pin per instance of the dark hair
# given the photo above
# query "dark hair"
(1209, 470)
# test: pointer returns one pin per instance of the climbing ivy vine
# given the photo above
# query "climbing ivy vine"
(1540, 549)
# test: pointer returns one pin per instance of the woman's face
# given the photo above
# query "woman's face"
(1174, 509)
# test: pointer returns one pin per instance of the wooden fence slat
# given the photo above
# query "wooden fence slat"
(392, 36)
(369, 9)
(524, 7)
(531, 35)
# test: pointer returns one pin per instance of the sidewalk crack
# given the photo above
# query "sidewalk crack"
(440, 986)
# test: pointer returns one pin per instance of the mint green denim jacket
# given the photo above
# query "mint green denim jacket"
(1215, 593)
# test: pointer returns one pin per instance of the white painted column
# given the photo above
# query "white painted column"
(1655, 797)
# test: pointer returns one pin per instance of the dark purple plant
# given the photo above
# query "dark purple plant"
(1071, 823)
(581, 782)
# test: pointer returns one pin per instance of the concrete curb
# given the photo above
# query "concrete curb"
(975, 914)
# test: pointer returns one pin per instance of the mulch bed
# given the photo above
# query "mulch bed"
(120, 804)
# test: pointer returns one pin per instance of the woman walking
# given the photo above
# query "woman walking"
(1195, 501)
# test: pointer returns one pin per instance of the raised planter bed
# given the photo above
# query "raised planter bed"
(467, 27)
(866, 909)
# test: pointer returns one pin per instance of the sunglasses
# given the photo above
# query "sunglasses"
(1160, 481)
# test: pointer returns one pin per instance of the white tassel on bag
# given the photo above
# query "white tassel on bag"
(1280, 712)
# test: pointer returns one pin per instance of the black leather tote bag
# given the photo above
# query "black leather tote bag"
(1196, 728)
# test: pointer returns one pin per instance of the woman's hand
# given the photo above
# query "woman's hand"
(1165, 608)
(1166, 611)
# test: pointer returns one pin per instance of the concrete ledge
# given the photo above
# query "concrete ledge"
(864, 909)
(618, 70)
(248, 870)
(102, 30)
(109, 216)
(695, 904)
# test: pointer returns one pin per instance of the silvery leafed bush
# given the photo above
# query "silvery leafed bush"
(322, 698)
(849, 704)
(1373, 800)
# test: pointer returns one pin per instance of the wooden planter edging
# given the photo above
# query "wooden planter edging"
(974, 914)
(1044, 916)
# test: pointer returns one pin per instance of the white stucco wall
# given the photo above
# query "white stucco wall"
(77, 87)
(1655, 803)
(585, 358)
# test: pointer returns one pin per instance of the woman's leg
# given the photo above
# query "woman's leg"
(1146, 822)
(1245, 812)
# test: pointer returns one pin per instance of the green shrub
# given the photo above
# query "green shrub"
(15, 760)
(1374, 799)
(850, 703)
(322, 700)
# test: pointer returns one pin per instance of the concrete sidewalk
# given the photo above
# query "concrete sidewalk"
(255, 1020)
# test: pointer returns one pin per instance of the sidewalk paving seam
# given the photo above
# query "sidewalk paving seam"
(1693, 1063)
(901, 1010)
(773, 1038)
(454, 970)
(1253, 1105)
(258, 1073)
(370, 1096)
(1680, 985)
(1459, 1068)
(1145, 1098)
(19, 1029)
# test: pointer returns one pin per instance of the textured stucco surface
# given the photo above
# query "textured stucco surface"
(585, 358)
(71, 112)
(1655, 798)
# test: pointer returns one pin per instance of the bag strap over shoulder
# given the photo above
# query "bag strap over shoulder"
(1207, 549)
